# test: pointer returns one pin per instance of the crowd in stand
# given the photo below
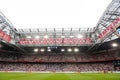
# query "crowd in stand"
(61, 57)
(60, 67)
(117, 68)
(66, 62)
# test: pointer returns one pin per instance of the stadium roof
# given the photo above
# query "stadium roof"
(54, 14)
(53, 32)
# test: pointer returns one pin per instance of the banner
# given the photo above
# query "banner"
(109, 29)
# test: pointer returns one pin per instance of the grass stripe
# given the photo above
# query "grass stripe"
(58, 76)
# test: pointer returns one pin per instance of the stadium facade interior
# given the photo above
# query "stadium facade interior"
(79, 50)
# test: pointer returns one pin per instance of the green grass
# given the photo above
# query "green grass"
(58, 76)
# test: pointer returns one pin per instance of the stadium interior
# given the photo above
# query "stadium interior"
(63, 50)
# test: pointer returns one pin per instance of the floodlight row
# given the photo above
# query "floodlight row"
(62, 50)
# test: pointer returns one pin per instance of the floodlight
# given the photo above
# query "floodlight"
(79, 36)
(114, 44)
(69, 50)
(46, 36)
(37, 37)
(49, 50)
(28, 36)
(71, 36)
(76, 50)
(36, 50)
(62, 36)
(42, 50)
(62, 50)
(48, 47)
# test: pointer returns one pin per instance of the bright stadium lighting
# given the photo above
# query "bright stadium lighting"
(28, 36)
(42, 50)
(49, 50)
(37, 37)
(62, 36)
(79, 36)
(114, 44)
(69, 50)
(35, 50)
(71, 36)
(62, 50)
(76, 50)
(46, 36)
(48, 47)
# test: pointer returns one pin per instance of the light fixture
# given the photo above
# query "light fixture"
(62, 50)
(37, 37)
(46, 36)
(48, 47)
(36, 50)
(69, 50)
(49, 50)
(114, 44)
(42, 50)
(28, 36)
(76, 50)
(79, 36)
(62, 36)
(71, 36)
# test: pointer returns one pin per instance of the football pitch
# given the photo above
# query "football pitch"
(58, 76)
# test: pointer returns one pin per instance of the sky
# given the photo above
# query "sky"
(53, 13)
